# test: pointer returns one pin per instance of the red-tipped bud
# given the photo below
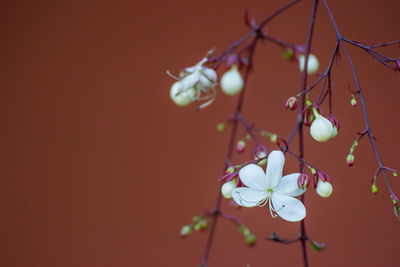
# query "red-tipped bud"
(321, 175)
(240, 146)
(308, 117)
(291, 103)
(350, 160)
(303, 181)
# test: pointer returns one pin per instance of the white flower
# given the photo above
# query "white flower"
(271, 187)
(312, 66)
(232, 82)
(226, 189)
(324, 189)
(195, 83)
(322, 130)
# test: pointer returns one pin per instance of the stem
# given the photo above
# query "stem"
(257, 30)
(303, 235)
(367, 130)
(239, 107)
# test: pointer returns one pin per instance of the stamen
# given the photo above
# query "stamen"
(172, 76)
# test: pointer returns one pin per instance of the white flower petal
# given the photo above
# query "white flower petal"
(289, 208)
(248, 197)
(190, 81)
(289, 186)
(276, 160)
(253, 176)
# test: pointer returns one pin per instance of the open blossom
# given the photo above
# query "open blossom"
(271, 187)
(195, 83)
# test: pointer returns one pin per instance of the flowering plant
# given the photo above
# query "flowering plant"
(246, 184)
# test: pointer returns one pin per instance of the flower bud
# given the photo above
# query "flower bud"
(185, 231)
(288, 53)
(291, 103)
(232, 82)
(221, 126)
(350, 160)
(324, 189)
(226, 189)
(322, 129)
(394, 174)
(374, 189)
(303, 181)
(251, 239)
(259, 155)
(312, 66)
(202, 224)
(273, 138)
(353, 102)
(181, 98)
(240, 146)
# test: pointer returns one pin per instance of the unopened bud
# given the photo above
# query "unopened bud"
(288, 53)
(230, 169)
(374, 189)
(394, 174)
(273, 138)
(226, 189)
(321, 129)
(260, 155)
(291, 103)
(185, 231)
(232, 82)
(221, 126)
(202, 224)
(240, 146)
(350, 160)
(312, 66)
(324, 189)
(251, 239)
(353, 102)
(181, 98)
(303, 181)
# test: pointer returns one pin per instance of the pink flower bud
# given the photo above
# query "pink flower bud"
(350, 160)
(240, 146)
(303, 181)
(291, 103)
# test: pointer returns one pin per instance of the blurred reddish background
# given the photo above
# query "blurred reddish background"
(100, 168)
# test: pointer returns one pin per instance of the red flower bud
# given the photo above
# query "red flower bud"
(303, 181)
(350, 160)
(291, 103)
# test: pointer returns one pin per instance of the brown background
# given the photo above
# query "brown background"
(100, 168)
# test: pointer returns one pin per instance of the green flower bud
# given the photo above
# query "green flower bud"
(221, 126)
(185, 231)
(251, 239)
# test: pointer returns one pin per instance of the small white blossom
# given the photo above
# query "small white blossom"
(195, 83)
(312, 66)
(232, 82)
(271, 187)
(324, 189)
